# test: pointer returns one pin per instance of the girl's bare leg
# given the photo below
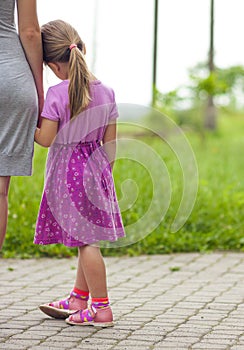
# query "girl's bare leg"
(4, 187)
(93, 275)
(80, 281)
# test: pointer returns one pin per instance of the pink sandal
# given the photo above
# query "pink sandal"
(92, 317)
(63, 308)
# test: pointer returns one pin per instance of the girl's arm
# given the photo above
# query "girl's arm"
(109, 142)
(45, 135)
(30, 37)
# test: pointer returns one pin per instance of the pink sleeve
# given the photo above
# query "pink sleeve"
(114, 109)
(51, 106)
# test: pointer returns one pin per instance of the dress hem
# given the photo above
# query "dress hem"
(74, 243)
(16, 165)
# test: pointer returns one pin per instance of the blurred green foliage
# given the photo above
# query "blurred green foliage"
(216, 222)
(187, 103)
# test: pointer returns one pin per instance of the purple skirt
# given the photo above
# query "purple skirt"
(79, 204)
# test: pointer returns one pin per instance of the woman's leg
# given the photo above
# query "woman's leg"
(93, 275)
(4, 187)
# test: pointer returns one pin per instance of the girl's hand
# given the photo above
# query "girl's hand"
(45, 135)
(40, 108)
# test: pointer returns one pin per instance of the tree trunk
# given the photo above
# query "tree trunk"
(155, 49)
(210, 120)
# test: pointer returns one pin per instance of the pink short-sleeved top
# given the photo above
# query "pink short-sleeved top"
(89, 125)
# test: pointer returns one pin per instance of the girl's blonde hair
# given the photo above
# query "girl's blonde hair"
(57, 36)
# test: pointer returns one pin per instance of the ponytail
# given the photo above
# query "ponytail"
(79, 89)
(62, 43)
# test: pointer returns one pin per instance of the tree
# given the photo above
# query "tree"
(210, 121)
(222, 82)
(155, 49)
(225, 85)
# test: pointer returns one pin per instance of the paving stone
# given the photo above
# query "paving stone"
(111, 333)
(31, 335)
(170, 346)
(146, 337)
(7, 346)
(173, 345)
(44, 347)
(98, 341)
(9, 332)
(209, 346)
(21, 342)
(181, 339)
(136, 342)
(131, 347)
(93, 347)
(49, 344)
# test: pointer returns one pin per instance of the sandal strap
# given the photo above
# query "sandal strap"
(86, 315)
(61, 304)
(79, 296)
(64, 304)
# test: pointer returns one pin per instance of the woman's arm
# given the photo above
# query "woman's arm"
(30, 37)
(45, 135)
(109, 142)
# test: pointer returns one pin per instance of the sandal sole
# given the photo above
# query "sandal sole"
(94, 324)
(54, 312)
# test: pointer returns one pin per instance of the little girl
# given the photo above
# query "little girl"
(79, 206)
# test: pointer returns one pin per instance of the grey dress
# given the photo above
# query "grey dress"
(18, 99)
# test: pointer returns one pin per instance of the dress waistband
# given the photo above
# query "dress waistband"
(90, 144)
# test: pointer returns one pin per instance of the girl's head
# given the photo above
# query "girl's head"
(57, 38)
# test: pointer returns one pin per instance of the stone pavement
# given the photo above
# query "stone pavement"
(180, 301)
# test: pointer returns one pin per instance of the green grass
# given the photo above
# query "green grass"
(216, 222)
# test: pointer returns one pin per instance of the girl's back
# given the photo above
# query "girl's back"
(88, 125)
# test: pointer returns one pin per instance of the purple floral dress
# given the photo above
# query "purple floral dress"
(79, 204)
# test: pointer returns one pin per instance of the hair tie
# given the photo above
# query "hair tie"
(72, 46)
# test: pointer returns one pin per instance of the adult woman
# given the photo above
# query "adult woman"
(20, 93)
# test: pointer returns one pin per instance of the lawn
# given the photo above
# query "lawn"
(216, 221)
